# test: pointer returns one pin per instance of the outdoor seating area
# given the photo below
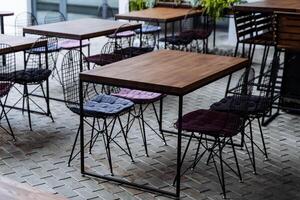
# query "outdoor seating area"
(151, 103)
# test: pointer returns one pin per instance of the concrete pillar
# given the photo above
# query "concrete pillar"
(123, 6)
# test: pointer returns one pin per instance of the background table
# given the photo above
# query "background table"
(2, 15)
(160, 15)
(170, 72)
(271, 6)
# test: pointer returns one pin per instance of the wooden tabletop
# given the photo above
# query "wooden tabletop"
(166, 71)
(12, 190)
(19, 43)
(81, 29)
(271, 6)
(6, 13)
(159, 14)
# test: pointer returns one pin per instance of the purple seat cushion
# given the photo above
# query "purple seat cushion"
(123, 34)
(242, 105)
(212, 123)
(138, 96)
(71, 44)
(104, 105)
(104, 59)
(4, 88)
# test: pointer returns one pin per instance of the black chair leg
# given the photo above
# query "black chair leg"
(263, 139)
(73, 147)
(28, 104)
(47, 102)
(252, 147)
(92, 136)
(142, 127)
(236, 160)
(159, 123)
(5, 115)
(125, 138)
(108, 138)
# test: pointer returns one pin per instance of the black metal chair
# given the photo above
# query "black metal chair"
(259, 105)
(214, 130)
(96, 106)
(22, 20)
(111, 53)
(123, 38)
(37, 69)
(7, 75)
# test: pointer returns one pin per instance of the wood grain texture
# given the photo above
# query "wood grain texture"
(271, 6)
(81, 29)
(18, 43)
(159, 14)
(166, 71)
(12, 190)
(6, 13)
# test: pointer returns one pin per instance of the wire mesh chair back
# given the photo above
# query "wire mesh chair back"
(36, 57)
(105, 11)
(70, 70)
(121, 41)
(7, 66)
(111, 52)
(54, 16)
(266, 90)
(22, 20)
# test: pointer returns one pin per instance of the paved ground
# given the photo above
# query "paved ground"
(39, 157)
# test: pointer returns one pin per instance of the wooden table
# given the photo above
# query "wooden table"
(165, 71)
(271, 6)
(12, 190)
(2, 15)
(18, 43)
(160, 15)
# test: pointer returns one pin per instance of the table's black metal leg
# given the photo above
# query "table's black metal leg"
(173, 33)
(158, 36)
(160, 114)
(2, 24)
(179, 147)
(166, 26)
(80, 59)
(47, 83)
(81, 126)
(141, 35)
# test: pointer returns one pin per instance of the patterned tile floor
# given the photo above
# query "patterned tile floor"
(39, 157)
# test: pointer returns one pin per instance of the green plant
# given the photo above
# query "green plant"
(215, 8)
(137, 5)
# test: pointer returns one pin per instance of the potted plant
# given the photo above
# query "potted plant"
(214, 8)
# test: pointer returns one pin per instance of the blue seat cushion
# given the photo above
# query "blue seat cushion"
(213, 123)
(177, 40)
(51, 48)
(103, 105)
(32, 75)
(244, 105)
(147, 29)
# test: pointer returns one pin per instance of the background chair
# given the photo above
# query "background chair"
(96, 106)
(36, 71)
(22, 20)
(215, 130)
(7, 74)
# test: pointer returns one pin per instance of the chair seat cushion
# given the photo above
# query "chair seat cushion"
(104, 105)
(255, 105)
(123, 34)
(32, 75)
(214, 123)
(148, 29)
(4, 88)
(71, 44)
(177, 40)
(136, 51)
(38, 50)
(138, 96)
(104, 59)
